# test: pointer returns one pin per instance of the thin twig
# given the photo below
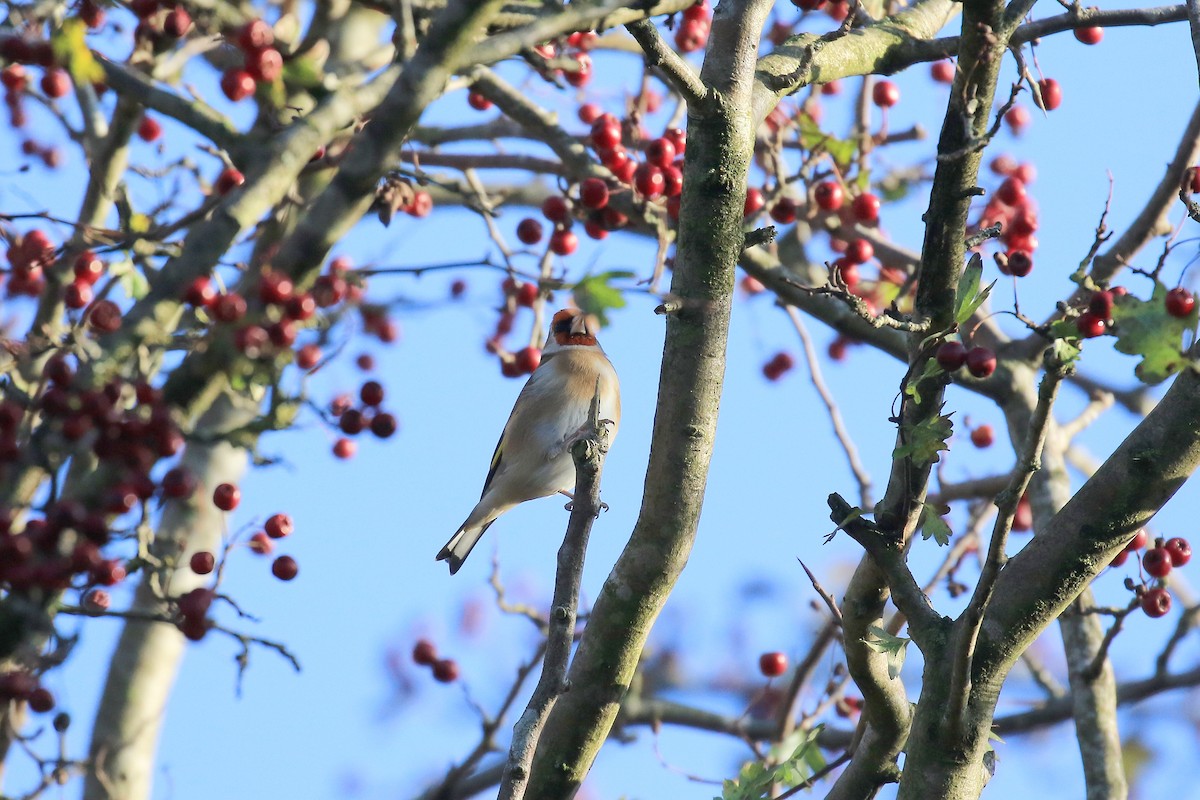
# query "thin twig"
(835, 414)
(678, 72)
(972, 618)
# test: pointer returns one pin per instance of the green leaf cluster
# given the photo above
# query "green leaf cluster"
(756, 778)
(1144, 328)
(894, 647)
(922, 442)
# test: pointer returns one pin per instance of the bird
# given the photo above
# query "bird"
(532, 458)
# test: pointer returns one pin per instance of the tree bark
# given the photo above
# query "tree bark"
(146, 660)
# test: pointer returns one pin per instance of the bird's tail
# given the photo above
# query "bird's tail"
(460, 545)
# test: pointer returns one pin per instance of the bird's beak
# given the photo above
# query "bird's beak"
(579, 326)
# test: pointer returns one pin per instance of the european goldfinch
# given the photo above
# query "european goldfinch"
(533, 456)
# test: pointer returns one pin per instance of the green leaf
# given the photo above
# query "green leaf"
(922, 442)
(70, 48)
(596, 295)
(1066, 352)
(813, 138)
(1144, 328)
(911, 387)
(894, 647)
(131, 280)
(969, 298)
(933, 526)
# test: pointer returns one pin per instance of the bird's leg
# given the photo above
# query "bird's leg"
(571, 505)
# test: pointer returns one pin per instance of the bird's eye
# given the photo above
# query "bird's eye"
(562, 326)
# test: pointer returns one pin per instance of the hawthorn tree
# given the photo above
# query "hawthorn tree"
(164, 335)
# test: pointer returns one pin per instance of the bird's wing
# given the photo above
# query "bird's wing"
(495, 467)
(539, 382)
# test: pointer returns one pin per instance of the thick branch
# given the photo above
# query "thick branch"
(720, 147)
(588, 455)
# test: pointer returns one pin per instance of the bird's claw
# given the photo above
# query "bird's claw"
(570, 506)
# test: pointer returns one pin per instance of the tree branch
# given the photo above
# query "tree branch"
(678, 72)
(588, 455)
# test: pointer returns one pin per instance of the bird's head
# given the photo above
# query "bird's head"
(569, 329)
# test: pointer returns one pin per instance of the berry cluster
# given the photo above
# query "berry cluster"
(24, 686)
(779, 364)
(953, 355)
(445, 670)
(1157, 562)
(368, 416)
(261, 62)
(1012, 207)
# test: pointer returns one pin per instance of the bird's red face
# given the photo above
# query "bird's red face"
(569, 328)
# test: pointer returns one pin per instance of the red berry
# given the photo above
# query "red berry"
(606, 133)
(1051, 93)
(1101, 304)
(279, 526)
(445, 670)
(459, 287)
(885, 94)
(77, 294)
(96, 601)
(593, 193)
(563, 242)
(104, 316)
(1138, 541)
(1023, 518)
(951, 355)
(178, 483)
(478, 102)
(527, 294)
(866, 208)
(1180, 302)
(589, 113)
(1119, 559)
(983, 436)
(859, 251)
(371, 393)
(344, 448)
(829, 195)
(421, 205)
(556, 209)
(14, 78)
(177, 23)
(384, 425)
(261, 543)
(1018, 263)
(772, 665)
(255, 35)
(149, 129)
(237, 84)
(41, 700)
(648, 180)
(229, 307)
(1017, 118)
(424, 653)
(227, 496)
(691, 35)
(1179, 550)
(1156, 602)
(228, 180)
(754, 201)
(1157, 562)
(981, 362)
(1090, 325)
(784, 211)
(285, 568)
(56, 83)
(1194, 179)
(203, 562)
(527, 359)
(1089, 34)
(1011, 192)
(942, 71)
(264, 66)
(661, 152)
